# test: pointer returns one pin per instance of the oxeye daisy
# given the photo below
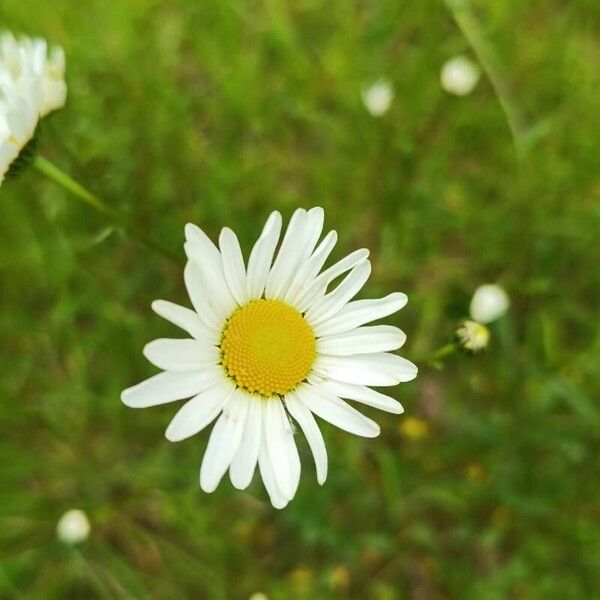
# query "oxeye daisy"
(31, 86)
(273, 343)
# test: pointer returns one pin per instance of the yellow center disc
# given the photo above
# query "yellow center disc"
(267, 347)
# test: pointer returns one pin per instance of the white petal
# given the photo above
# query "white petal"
(359, 393)
(233, 265)
(310, 269)
(303, 416)
(275, 424)
(359, 312)
(199, 412)
(244, 462)
(186, 319)
(288, 255)
(181, 355)
(261, 256)
(333, 302)
(293, 458)
(196, 288)
(336, 411)
(314, 227)
(194, 234)
(362, 340)
(317, 288)
(215, 286)
(169, 386)
(278, 500)
(379, 368)
(224, 441)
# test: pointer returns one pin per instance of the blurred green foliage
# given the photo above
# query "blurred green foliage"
(218, 112)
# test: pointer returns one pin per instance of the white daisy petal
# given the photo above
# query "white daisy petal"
(278, 500)
(304, 418)
(331, 304)
(199, 412)
(379, 368)
(210, 266)
(298, 244)
(309, 270)
(318, 287)
(337, 412)
(224, 441)
(314, 227)
(362, 340)
(233, 265)
(261, 256)
(359, 312)
(275, 424)
(186, 319)
(196, 288)
(293, 459)
(169, 386)
(180, 355)
(359, 393)
(244, 462)
(288, 254)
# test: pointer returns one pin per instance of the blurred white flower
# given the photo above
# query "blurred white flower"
(473, 336)
(258, 596)
(73, 527)
(31, 86)
(489, 303)
(459, 76)
(271, 343)
(378, 97)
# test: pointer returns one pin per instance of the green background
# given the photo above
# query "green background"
(218, 112)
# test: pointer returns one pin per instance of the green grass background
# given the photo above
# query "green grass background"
(218, 112)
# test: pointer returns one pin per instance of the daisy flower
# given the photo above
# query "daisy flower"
(31, 86)
(273, 343)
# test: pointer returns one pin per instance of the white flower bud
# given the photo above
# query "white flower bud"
(489, 303)
(378, 97)
(73, 527)
(459, 76)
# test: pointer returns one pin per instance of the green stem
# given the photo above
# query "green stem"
(437, 355)
(61, 178)
(472, 31)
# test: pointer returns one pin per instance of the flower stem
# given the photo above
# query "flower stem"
(435, 357)
(57, 175)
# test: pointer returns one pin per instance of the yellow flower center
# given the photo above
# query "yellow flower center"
(267, 347)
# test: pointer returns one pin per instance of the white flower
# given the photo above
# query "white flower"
(378, 97)
(31, 86)
(272, 343)
(73, 527)
(473, 336)
(459, 76)
(489, 303)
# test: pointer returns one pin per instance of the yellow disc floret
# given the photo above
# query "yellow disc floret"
(267, 347)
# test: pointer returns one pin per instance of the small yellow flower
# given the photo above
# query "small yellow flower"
(475, 472)
(414, 428)
(301, 577)
(339, 579)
